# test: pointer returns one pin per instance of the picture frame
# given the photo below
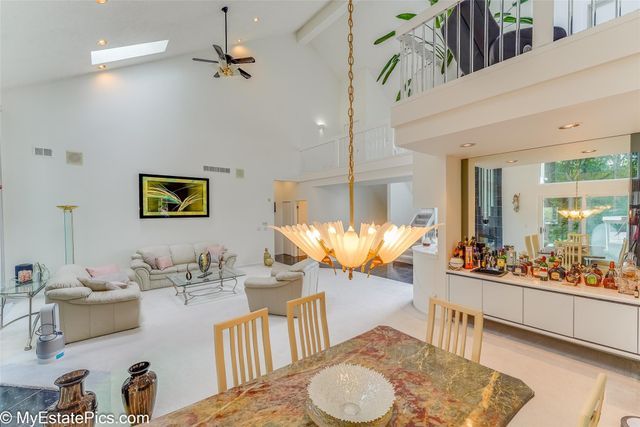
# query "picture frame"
(169, 196)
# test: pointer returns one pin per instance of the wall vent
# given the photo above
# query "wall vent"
(74, 158)
(42, 152)
(216, 169)
(239, 173)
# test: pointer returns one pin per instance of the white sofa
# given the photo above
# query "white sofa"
(182, 255)
(85, 313)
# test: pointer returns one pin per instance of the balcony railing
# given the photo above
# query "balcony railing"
(454, 38)
(372, 144)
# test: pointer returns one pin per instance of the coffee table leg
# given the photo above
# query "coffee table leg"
(2, 313)
(235, 279)
(31, 325)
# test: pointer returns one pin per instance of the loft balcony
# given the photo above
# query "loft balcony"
(529, 68)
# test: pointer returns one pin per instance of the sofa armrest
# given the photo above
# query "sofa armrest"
(263, 283)
(136, 256)
(68, 294)
(139, 263)
(278, 267)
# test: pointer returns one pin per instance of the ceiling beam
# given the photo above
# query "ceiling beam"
(321, 21)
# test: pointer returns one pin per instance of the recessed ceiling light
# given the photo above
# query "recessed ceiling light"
(569, 126)
(239, 41)
(101, 1)
(102, 42)
(256, 19)
(102, 67)
(512, 161)
(125, 52)
(588, 151)
(467, 145)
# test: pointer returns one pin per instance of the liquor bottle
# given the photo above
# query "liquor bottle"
(556, 272)
(574, 275)
(552, 258)
(609, 280)
(593, 277)
(468, 257)
(636, 293)
(543, 272)
(501, 261)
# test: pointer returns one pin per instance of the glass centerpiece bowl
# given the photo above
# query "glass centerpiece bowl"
(346, 394)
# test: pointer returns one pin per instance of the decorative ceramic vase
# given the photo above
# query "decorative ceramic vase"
(188, 276)
(204, 263)
(268, 260)
(74, 402)
(139, 390)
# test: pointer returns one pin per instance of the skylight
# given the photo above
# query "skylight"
(125, 52)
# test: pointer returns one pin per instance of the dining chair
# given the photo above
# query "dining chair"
(313, 331)
(535, 242)
(454, 322)
(529, 246)
(592, 409)
(243, 348)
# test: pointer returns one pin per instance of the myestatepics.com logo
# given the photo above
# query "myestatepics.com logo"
(25, 418)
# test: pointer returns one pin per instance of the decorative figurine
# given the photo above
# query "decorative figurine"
(268, 260)
(204, 263)
(188, 276)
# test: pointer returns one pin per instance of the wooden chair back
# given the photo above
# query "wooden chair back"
(453, 325)
(592, 409)
(313, 331)
(244, 349)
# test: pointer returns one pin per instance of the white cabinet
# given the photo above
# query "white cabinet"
(502, 301)
(550, 311)
(465, 291)
(606, 323)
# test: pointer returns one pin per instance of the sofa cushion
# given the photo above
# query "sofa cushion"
(98, 285)
(216, 252)
(182, 254)
(102, 270)
(150, 253)
(163, 273)
(201, 247)
(73, 270)
(289, 275)
(119, 276)
(164, 262)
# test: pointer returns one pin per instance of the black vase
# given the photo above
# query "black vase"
(139, 390)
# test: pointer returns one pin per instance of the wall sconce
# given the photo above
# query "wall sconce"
(321, 126)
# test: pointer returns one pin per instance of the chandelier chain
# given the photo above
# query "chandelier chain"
(350, 113)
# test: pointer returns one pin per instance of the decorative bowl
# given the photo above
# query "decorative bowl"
(351, 394)
(456, 263)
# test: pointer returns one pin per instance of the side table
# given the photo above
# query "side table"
(13, 289)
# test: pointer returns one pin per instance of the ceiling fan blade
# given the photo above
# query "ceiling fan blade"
(216, 75)
(220, 52)
(247, 60)
(205, 60)
(244, 74)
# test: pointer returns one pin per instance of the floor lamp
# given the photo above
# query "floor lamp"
(69, 255)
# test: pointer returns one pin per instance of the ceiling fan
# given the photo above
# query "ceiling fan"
(228, 65)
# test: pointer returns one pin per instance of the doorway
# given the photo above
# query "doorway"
(293, 212)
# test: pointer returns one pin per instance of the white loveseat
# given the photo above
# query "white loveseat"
(182, 255)
(85, 313)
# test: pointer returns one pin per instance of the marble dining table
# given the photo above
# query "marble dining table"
(433, 388)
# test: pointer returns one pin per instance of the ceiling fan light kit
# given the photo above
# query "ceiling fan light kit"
(375, 245)
(227, 64)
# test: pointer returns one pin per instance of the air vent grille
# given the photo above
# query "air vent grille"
(216, 169)
(43, 152)
(74, 158)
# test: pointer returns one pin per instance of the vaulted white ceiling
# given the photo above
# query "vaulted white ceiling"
(48, 40)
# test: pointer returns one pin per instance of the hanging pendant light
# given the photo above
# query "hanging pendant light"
(581, 214)
(373, 245)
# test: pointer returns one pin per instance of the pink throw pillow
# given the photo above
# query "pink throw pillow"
(216, 252)
(164, 262)
(103, 270)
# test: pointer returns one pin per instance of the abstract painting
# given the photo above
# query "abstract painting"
(163, 196)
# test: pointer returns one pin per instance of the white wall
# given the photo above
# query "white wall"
(166, 117)
(400, 208)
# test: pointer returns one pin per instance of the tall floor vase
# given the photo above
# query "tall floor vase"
(139, 390)
(74, 403)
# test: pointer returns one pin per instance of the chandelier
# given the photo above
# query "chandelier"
(580, 214)
(374, 245)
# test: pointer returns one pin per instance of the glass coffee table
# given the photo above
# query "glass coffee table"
(14, 289)
(217, 281)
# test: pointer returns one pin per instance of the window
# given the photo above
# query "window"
(615, 166)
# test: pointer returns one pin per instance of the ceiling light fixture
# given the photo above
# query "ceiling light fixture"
(126, 52)
(375, 244)
(256, 19)
(589, 151)
(101, 1)
(102, 67)
(239, 41)
(581, 214)
(467, 145)
(512, 161)
(569, 126)
(102, 42)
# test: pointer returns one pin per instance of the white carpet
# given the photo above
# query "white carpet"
(178, 341)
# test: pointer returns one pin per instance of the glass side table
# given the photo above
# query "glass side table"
(13, 289)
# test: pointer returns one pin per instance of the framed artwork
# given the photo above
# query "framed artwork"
(164, 196)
